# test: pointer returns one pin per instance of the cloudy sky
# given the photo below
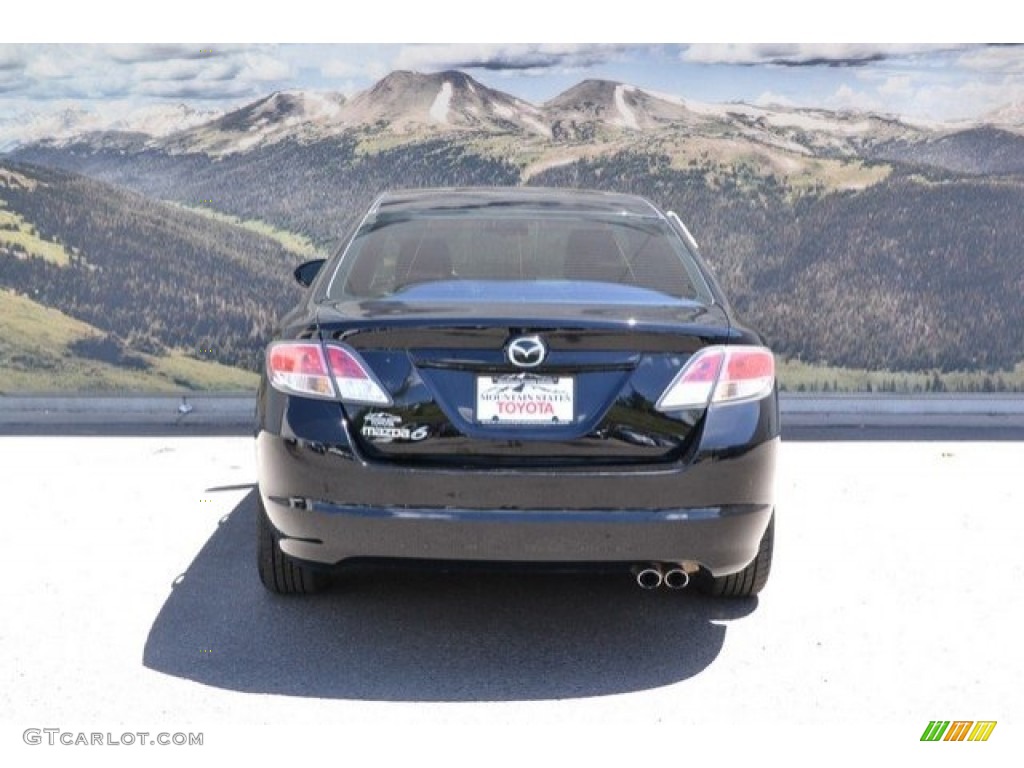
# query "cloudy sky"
(924, 81)
(40, 78)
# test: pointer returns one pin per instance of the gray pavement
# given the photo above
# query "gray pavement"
(902, 417)
(131, 603)
(202, 413)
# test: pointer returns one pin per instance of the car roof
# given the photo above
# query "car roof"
(513, 200)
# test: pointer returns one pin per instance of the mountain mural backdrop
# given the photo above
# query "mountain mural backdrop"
(852, 240)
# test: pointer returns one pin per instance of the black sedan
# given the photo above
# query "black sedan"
(523, 376)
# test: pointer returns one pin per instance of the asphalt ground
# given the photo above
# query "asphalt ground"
(131, 605)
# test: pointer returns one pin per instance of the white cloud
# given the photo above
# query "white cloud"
(125, 71)
(50, 67)
(930, 95)
(338, 68)
(57, 61)
(966, 99)
(899, 86)
(11, 58)
(847, 98)
(264, 67)
(1008, 59)
(194, 89)
(179, 70)
(133, 54)
(502, 57)
(797, 54)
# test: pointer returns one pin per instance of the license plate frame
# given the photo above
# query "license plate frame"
(525, 399)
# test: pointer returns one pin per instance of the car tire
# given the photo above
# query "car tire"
(280, 573)
(751, 579)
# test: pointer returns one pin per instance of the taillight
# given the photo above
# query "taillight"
(353, 379)
(721, 375)
(748, 374)
(303, 368)
(299, 367)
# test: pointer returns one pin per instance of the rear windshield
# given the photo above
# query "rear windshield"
(447, 255)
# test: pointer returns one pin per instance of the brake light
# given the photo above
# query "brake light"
(717, 375)
(299, 368)
(327, 371)
(749, 374)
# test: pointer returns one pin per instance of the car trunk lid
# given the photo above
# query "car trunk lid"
(459, 400)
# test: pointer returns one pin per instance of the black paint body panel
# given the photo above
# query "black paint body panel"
(622, 482)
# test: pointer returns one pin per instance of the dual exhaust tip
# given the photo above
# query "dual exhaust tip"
(674, 576)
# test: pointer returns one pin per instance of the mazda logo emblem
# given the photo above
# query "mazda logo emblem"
(527, 351)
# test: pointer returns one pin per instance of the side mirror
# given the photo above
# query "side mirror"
(305, 273)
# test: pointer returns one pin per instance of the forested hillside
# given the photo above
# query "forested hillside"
(977, 151)
(318, 189)
(154, 276)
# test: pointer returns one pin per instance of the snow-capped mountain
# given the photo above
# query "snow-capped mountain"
(595, 104)
(158, 120)
(599, 108)
(72, 124)
(282, 114)
(810, 131)
(47, 126)
(410, 101)
(590, 117)
(402, 103)
(1009, 117)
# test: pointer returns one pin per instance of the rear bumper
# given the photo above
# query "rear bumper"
(722, 539)
(330, 505)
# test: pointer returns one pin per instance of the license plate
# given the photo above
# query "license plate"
(525, 398)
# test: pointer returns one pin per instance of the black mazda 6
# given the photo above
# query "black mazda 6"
(521, 376)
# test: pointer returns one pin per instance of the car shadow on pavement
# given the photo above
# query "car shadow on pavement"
(409, 635)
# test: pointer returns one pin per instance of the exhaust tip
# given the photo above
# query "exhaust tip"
(676, 578)
(649, 577)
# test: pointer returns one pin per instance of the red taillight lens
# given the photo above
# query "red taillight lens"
(303, 368)
(299, 367)
(344, 364)
(749, 374)
(721, 375)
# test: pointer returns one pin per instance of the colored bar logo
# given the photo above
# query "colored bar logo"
(958, 730)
